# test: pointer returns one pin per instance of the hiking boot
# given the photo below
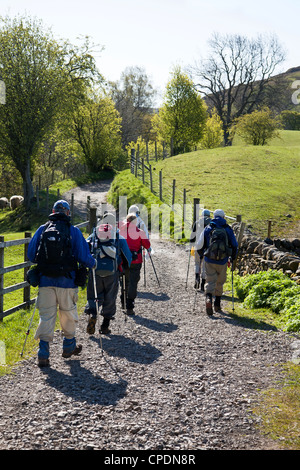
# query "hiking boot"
(130, 311)
(217, 304)
(202, 285)
(43, 362)
(75, 352)
(197, 281)
(104, 330)
(208, 305)
(90, 329)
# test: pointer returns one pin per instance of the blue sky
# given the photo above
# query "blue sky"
(159, 34)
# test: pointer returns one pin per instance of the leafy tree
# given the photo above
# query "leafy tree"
(257, 128)
(97, 131)
(213, 132)
(183, 114)
(42, 79)
(134, 98)
(290, 120)
(236, 75)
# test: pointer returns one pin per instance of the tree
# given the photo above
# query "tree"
(257, 128)
(97, 131)
(236, 74)
(134, 98)
(42, 79)
(213, 132)
(183, 114)
(290, 120)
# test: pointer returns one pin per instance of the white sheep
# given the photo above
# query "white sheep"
(16, 201)
(4, 203)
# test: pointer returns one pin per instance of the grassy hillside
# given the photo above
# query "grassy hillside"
(260, 183)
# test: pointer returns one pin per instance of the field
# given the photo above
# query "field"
(259, 183)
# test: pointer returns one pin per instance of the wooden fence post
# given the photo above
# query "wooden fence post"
(143, 171)
(150, 175)
(88, 204)
(26, 291)
(93, 218)
(269, 228)
(160, 185)
(196, 209)
(173, 192)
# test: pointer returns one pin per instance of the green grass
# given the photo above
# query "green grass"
(259, 183)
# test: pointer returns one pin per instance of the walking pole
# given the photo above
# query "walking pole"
(195, 299)
(232, 286)
(29, 327)
(144, 268)
(97, 305)
(188, 268)
(123, 291)
(153, 267)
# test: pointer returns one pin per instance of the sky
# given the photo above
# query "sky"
(157, 35)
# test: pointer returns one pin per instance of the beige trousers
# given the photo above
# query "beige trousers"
(215, 278)
(48, 300)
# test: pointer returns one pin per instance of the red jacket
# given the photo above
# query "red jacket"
(136, 239)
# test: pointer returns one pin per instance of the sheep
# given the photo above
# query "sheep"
(3, 203)
(16, 201)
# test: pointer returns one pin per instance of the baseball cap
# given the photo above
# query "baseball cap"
(61, 206)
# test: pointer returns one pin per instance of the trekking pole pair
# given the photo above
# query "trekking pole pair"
(29, 327)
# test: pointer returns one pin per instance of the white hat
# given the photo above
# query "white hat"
(219, 213)
(133, 209)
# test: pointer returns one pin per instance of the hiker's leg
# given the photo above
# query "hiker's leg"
(47, 305)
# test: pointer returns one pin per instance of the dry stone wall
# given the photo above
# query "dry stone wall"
(257, 255)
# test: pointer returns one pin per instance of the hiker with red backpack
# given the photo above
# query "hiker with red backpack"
(57, 247)
(111, 252)
(137, 240)
(218, 245)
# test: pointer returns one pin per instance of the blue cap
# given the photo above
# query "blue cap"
(61, 206)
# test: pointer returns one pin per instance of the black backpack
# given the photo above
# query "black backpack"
(54, 256)
(218, 248)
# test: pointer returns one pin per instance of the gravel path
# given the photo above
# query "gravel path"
(170, 378)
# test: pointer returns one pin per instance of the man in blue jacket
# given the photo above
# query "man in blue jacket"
(218, 243)
(57, 283)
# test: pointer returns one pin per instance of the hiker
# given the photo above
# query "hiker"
(137, 240)
(134, 209)
(111, 252)
(218, 244)
(198, 227)
(56, 248)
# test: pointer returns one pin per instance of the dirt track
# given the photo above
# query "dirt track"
(170, 378)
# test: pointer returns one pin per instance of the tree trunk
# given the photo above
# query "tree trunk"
(27, 186)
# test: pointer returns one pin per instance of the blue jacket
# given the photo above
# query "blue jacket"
(203, 242)
(81, 252)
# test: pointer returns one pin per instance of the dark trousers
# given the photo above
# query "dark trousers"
(107, 291)
(132, 277)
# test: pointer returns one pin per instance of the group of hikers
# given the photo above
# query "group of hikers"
(111, 255)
